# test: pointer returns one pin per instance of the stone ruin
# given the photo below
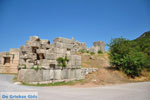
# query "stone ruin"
(36, 61)
(39, 53)
(9, 61)
(98, 45)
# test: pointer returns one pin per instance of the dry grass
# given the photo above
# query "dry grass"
(96, 60)
(106, 75)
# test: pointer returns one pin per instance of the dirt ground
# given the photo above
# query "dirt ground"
(106, 75)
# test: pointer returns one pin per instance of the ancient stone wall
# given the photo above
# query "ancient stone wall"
(43, 54)
(99, 45)
(9, 61)
(36, 61)
(40, 55)
(53, 75)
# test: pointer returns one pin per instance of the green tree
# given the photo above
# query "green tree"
(127, 56)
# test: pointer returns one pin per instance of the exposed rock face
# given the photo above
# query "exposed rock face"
(9, 61)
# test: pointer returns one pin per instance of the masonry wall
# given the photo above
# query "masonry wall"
(9, 61)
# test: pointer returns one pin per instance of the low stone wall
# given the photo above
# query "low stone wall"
(33, 76)
(10, 70)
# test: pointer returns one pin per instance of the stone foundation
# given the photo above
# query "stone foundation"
(33, 76)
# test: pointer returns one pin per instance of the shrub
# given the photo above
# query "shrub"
(36, 67)
(82, 51)
(99, 52)
(126, 56)
(62, 61)
(24, 66)
(92, 53)
(87, 51)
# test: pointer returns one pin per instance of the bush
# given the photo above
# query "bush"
(132, 63)
(92, 53)
(99, 52)
(83, 51)
(62, 61)
(36, 67)
(126, 56)
(24, 67)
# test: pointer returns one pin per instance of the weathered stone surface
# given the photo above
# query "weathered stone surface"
(63, 45)
(41, 51)
(60, 50)
(78, 74)
(9, 61)
(50, 56)
(30, 75)
(94, 49)
(63, 40)
(46, 75)
(33, 44)
(57, 74)
(34, 38)
(42, 41)
(99, 45)
(51, 72)
(64, 74)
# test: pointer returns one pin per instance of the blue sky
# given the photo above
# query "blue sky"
(85, 20)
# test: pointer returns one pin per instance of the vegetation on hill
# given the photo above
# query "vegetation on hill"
(131, 56)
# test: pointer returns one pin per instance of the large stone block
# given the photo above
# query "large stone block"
(57, 74)
(25, 49)
(33, 44)
(53, 62)
(34, 38)
(60, 55)
(45, 46)
(100, 44)
(51, 72)
(21, 74)
(44, 62)
(22, 62)
(64, 74)
(41, 51)
(63, 45)
(46, 75)
(29, 65)
(30, 75)
(63, 40)
(78, 74)
(78, 63)
(50, 56)
(32, 56)
(42, 41)
(72, 74)
(60, 50)
(45, 67)
(94, 49)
